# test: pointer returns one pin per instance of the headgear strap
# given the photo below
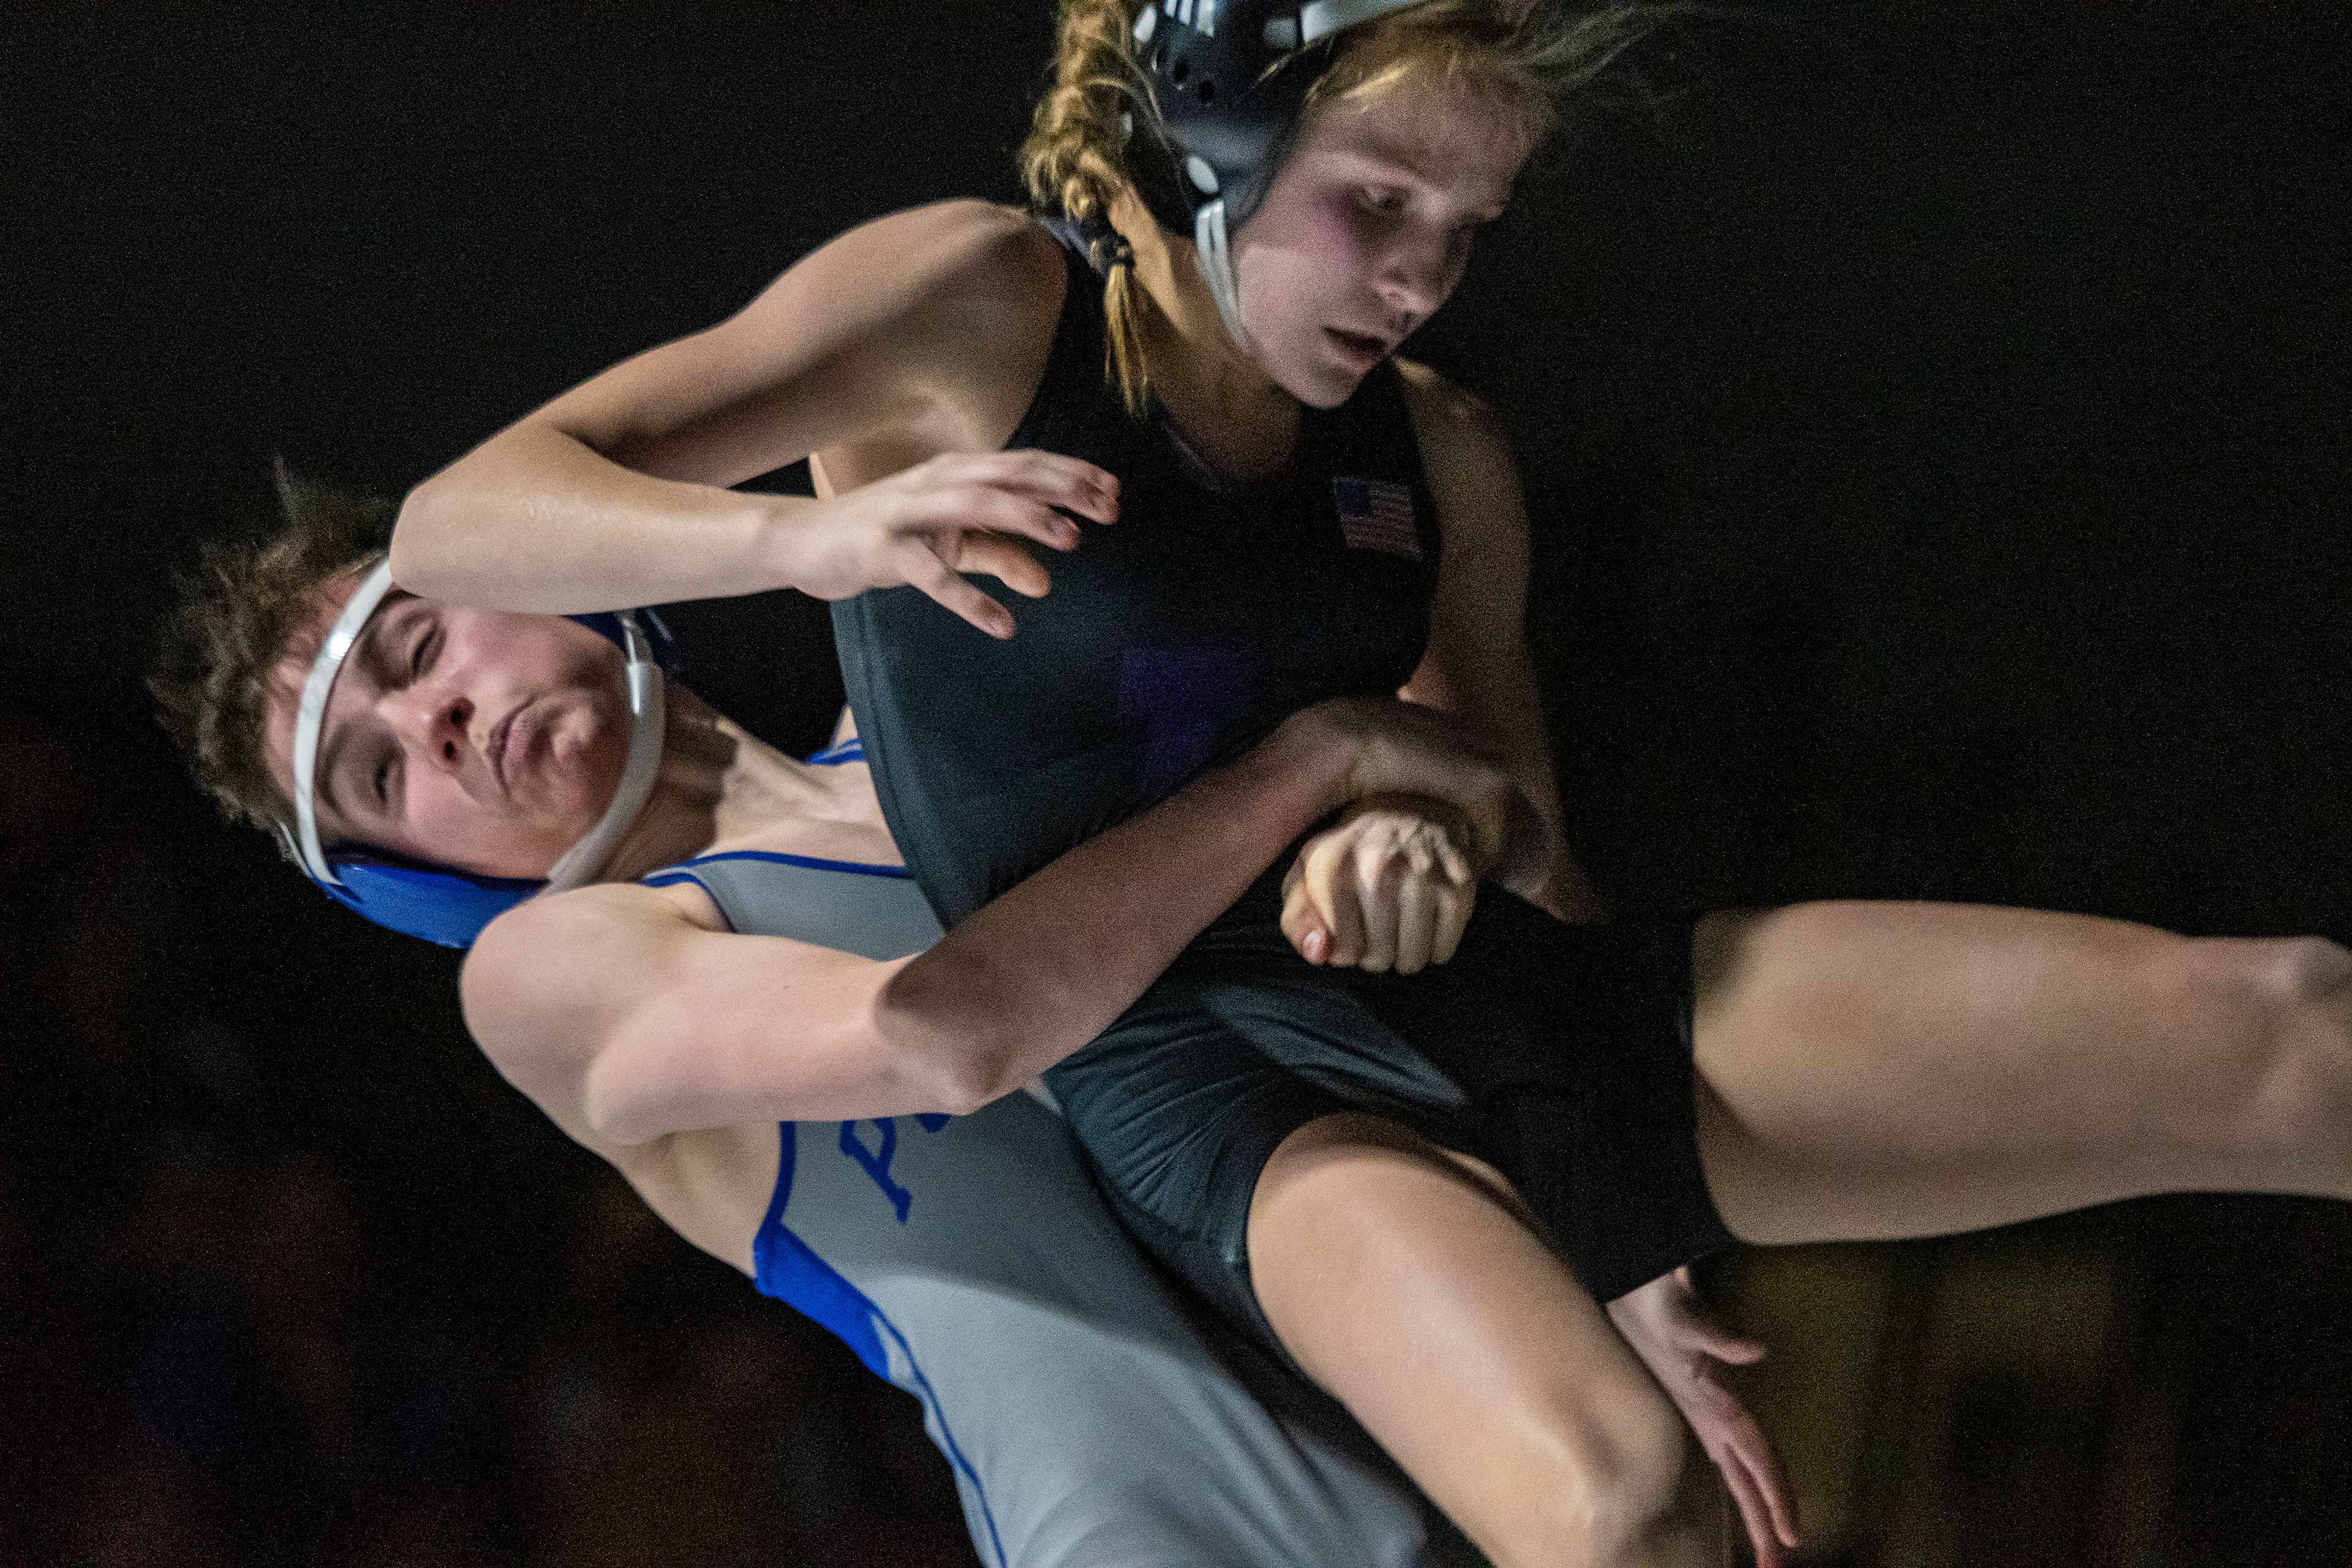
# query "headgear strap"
(578, 865)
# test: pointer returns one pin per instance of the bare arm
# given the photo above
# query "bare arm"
(1478, 665)
(614, 494)
(626, 1021)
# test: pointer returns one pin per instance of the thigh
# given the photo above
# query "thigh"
(1407, 1285)
(1891, 1069)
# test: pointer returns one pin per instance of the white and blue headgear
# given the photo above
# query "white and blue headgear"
(1230, 80)
(436, 902)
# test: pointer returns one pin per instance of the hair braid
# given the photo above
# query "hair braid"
(1075, 162)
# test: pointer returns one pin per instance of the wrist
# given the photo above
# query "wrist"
(778, 529)
(1308, 751)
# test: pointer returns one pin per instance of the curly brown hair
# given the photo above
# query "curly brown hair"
(1528, 56)
(247, 607)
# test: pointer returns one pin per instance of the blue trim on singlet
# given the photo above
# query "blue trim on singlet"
(788, 1269)
(682, 871)
(852, 749)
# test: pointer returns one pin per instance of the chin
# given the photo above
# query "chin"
(1319, 384)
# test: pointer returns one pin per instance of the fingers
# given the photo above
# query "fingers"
(1744, 1458)
(1416, 911)
(1388, 890)
(1007, 560)
(1378, 876)
(978, 511)
(1045, 477)
(1455, 903)
(1754, 1516)
(1322, 861)
(1702, 1333)
(933, 576)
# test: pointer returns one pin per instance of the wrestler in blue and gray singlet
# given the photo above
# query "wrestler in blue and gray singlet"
(970, 1261)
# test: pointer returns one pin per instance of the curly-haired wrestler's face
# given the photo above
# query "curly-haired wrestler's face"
(483, 739)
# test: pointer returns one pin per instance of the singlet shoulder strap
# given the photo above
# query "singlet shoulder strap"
(1062, 412)
(874, 911)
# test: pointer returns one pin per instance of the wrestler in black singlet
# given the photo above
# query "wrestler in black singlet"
(1175, 639)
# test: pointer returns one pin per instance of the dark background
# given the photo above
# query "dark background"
(1936, 422)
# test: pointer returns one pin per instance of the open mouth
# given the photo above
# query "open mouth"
(1359, 345)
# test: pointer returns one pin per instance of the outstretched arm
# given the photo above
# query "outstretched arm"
(626, 1021)
(615, 494)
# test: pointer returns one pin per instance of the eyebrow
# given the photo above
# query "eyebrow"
(365, 653)
(1392, 157)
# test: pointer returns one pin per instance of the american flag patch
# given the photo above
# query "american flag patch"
(1377, 514)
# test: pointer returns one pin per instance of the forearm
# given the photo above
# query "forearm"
(1049, 964)
(1539, 866)
(537, 519)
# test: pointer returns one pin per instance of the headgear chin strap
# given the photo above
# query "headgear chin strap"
(1230, 80)
(432, 901)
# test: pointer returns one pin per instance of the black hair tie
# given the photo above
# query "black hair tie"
(1107, 248)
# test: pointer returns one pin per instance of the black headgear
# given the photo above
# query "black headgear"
(1231, 78)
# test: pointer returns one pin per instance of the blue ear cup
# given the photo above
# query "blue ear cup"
(416, 899)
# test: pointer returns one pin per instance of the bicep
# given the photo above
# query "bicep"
(625, 1021)
(854, 340)
(1476, 664)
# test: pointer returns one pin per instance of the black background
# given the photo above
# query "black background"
(1935, 420)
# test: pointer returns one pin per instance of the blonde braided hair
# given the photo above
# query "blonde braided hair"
(1075, 162)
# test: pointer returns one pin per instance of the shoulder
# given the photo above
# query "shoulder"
(952, 256)
(1449, 417)
(537, 969)
(1466, 456)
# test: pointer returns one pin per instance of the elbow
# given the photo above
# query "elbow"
(413, 535)
(942, 1035)
(614, 1104)
(424, 535)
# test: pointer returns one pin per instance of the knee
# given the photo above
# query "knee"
(1615, 1505)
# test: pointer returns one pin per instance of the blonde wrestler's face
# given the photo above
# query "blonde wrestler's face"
(1366, 228)
(481, 740)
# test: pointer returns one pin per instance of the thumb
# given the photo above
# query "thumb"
(1721, 1343)
(1304, 926)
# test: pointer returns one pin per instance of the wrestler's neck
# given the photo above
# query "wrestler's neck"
(1238, 417)
(723, 789)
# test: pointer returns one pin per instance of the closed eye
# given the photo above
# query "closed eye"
(428, 646)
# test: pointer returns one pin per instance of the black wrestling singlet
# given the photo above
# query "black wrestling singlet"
(1173, 639)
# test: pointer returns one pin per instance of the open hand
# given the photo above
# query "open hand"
(1686, 1350)
(927, 526)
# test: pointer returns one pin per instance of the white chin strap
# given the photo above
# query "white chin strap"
(582, 862)
(1217, 267)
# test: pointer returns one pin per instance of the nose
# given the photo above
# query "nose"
(1415, 277)
(433, 722)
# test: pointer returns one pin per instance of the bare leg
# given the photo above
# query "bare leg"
(1888, 1069)
(1406, 1283)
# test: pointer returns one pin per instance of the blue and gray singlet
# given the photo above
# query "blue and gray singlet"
(969, 1260)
